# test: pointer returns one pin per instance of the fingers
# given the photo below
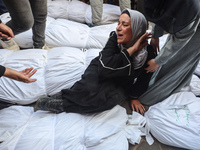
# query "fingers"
(138, 107)
(148, 69)
(32, 73)
(146, 36)
(133, 108)
(4, 37)
(31, 80)
(142, 110)
(29, 71)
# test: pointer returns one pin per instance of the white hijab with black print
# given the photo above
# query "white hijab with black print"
(139, 27)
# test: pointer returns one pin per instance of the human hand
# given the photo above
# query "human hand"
(6, 32)
(152, 66)
(137, 106)
(23, 76)
(155, 44)
(140, 43)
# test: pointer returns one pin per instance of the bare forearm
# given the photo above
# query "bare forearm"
(23, 76)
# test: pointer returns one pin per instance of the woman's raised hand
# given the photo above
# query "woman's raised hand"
(140, 43)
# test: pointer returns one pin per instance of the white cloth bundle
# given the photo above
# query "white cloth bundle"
(175, 121)
(58, 68)
(111, 14)
(77, 11)
(62, 32)
(81, 12)
(74, 10)
(98, 35)
(44, 130)
(58, 9)
(135, 127)
(18, 92)
(65, 65)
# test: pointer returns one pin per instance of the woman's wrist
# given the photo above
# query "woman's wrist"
(131, 50)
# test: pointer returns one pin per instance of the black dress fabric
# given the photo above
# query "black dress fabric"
(109, 79)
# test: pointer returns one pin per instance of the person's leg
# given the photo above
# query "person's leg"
(21, 15)
(124, 4)
(39, 10)
(97, 10)
(21, 20)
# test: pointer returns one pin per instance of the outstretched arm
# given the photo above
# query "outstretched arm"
(23, 76)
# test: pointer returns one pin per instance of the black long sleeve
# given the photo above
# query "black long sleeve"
(2, 70)
(116, 64)
(113, 61)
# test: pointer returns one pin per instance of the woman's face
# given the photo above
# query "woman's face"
(124, 30)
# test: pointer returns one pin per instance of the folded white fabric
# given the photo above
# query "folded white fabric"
(135, 127)
(175, 121)
(44, 130)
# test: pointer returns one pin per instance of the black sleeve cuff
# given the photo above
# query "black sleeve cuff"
(0, 21)
(2, 70)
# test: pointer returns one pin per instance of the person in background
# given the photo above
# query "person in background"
(97, 9)
(110, 1)
(115, 75)
(25, 14)
(2, 8)
(180, 54)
